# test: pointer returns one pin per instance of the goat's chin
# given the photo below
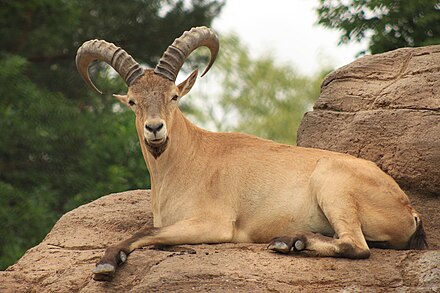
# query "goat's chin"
(156, 147)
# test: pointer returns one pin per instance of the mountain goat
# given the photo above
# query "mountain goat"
(211, 187)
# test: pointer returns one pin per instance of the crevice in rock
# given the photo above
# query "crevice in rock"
(402, 270)
(81, 247)
(338, 111)
(402, 70)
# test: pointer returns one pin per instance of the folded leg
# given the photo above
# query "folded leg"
(192, 231)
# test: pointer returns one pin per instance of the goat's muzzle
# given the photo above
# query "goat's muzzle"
(155, 136)
(155, 131)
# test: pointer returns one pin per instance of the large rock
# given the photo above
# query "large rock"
(64, 260)
(384, 108)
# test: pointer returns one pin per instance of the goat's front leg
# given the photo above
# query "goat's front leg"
(191, 231)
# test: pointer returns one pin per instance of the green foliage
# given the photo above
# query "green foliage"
(388, 24)
(55, 157)
(61, 144)
(17, 208)
(261, 97)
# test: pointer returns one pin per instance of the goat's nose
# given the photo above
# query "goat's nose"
(154, 127)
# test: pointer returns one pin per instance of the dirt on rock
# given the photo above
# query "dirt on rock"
(63, 262)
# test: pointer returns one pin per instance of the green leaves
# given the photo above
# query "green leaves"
(388, 24)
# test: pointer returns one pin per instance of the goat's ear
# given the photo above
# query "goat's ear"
(186, 85)
(124, 100)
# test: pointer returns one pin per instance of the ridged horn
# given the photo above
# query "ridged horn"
(114, 56)
(176, 54)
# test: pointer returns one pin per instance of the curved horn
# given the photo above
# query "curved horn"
(174, 57)
(116, 57)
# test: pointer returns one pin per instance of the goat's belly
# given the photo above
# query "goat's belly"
(265, 233)
(267, 224)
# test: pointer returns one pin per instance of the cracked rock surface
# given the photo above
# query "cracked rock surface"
(384, 108)
(63, 262)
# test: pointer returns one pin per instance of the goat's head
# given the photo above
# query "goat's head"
(152, 93)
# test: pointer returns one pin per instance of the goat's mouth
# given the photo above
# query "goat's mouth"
(156, 146)
(156, 141)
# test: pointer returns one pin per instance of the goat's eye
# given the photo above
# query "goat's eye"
(175, 97)
(131, 103)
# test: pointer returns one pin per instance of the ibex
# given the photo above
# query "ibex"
(211, 187)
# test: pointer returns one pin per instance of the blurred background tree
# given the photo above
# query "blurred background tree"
(61, 144)
(254, 95)
(388, 24)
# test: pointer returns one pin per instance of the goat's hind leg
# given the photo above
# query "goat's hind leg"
(348, 242)
(315, 244)
(340, 209)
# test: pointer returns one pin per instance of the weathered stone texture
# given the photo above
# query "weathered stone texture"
(384, 108)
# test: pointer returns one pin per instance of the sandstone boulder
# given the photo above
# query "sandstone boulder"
(64, 260)
(384, 108)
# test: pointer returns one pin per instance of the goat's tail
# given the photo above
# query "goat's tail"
(418, 239)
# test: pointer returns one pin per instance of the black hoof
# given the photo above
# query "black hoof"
(106, 268)
(287, 244)
(104, 272)
(281, 244)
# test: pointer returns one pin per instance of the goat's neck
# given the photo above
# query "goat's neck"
(182, 148)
